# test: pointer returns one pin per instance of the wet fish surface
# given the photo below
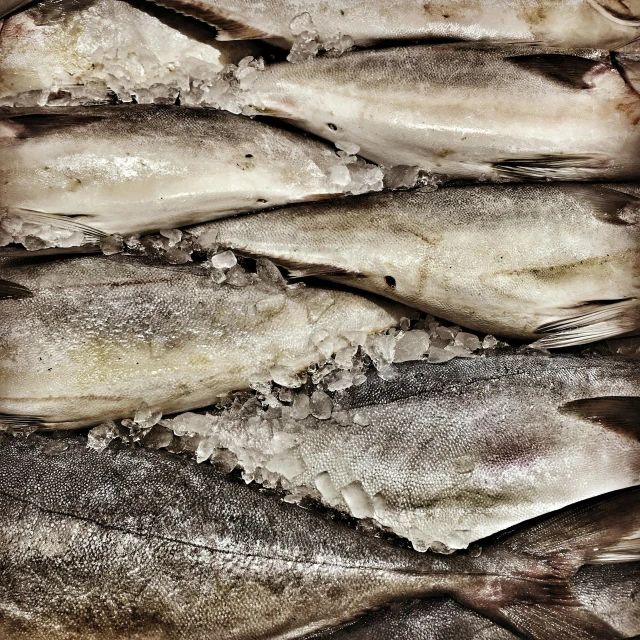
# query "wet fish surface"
(445, 455)
(443, 619)
(95, 531)
(89, 339)
(469, 112)
(577, 23)
(137, 169)
(559, 263)
(88, 51)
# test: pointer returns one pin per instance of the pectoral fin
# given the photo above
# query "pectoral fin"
(62, 221)
(608, 320)
(12, 290)
(549, 167)
(618, 413)
(570, 71)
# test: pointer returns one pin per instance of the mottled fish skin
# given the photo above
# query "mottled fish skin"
(576, 23)
(137, 169)
(92, 338)
(87, 51)
(140, 545)
(610, 591)
(512, 260)
(449, 454)
(467, 112)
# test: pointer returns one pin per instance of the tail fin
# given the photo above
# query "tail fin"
(535, 600)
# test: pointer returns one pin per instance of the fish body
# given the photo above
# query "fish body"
(445, 455)
(576, 23)
(89, 339)
(556, 262)
(88, 51)
(468, 112)
(140, 169)
(8, 6)
(136, 544)
(608, 590)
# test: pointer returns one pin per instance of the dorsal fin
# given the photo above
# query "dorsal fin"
(33, 125)
(568, 70)
(618, 413)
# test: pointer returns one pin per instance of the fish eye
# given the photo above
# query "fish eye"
(391, 281)
(249, 155)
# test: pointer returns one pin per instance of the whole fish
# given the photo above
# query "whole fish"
(89, 339)
(141, 545)
(445, 455)
(469, 112)
(87, 51)
(556, 262)
(573, 23)
(615, 586)
(102, 170)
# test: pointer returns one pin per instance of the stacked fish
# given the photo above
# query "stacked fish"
(290, 238)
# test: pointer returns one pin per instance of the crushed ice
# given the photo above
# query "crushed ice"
(307, 42)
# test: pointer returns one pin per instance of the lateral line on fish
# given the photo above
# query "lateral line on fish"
(141, 534)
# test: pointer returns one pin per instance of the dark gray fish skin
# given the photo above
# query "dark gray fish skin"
(559, 262)
(570, 23)
(468, 112)
(140, 545)
(610, 591)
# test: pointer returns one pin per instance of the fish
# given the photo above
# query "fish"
(8, 6)
(139, 169)
(556, 263)
(467, 113)
(577, 23)
(87, 51)
(137, 543)
(90, 339)
(444, 619)
(444, 455)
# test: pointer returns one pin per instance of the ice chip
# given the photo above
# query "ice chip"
(101, 436)
(327, 489)
(467, 340)
(340, 175)
(361, 419)
(286, 378)
(268, 272)
(238, 277)
(205, 449)
(350, 147)
(439, 355)
(490, 342)
(343, 380)
(388, 372)
(143, 414)
(320, 405)
(301, 407)
(224, 260)
(411, 346)
(173, 235)
(401, 177)
(288, 463)
(301, 24)
(359, 503)
(381, 349)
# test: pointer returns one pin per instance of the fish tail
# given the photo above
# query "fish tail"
(536, 600)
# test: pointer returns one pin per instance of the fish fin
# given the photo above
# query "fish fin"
(618, 413)
(617, 11)
(13, 290)
(628, 65)
(230, 26)
(611, 205)
(547, 167)
(60, 220)
(610, 318)
(33, 125)
(537, 602)
(307, 270)
(571, 71)
(20, 424)
(15, 251)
